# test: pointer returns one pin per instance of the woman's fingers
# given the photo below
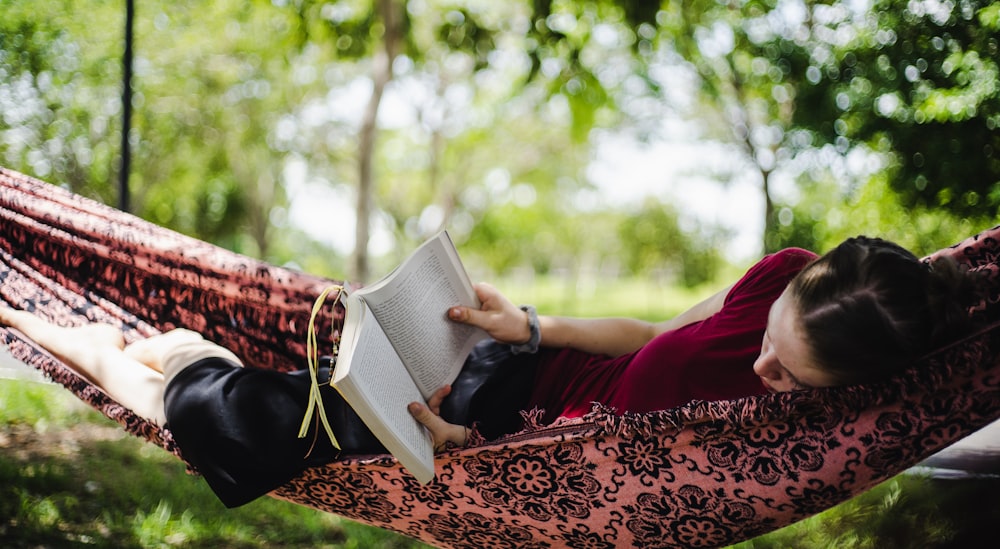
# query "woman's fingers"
(442, 432)
(434, 403)
(500, 318)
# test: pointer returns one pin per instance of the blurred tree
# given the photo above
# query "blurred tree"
(383, 32)
(823, 216)
(747, 79)
(214, 97)
(209, 93)
(228, 92)
(60, 94)
(914, 81)
(653, 241)
(478, 82)
(567, 44)
(920, 82)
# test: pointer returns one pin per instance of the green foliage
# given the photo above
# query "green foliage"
(208, 95)
(747, 61)
(652, 241)
(825, 215)
(229, 94)
(351, 27)
(59, 93)
(572, 45)
(920, 83)
(915, 83)
(502, 233)
(462, 31)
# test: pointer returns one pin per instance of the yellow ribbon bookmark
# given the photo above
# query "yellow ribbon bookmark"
(312, 357)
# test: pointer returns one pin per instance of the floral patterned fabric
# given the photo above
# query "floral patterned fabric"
(701, 475)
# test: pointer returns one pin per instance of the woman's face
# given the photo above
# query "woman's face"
(785, 362)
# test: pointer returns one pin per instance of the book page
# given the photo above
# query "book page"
(375, 383)
(412, 305)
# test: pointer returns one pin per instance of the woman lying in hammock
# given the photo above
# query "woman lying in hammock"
(858, 313)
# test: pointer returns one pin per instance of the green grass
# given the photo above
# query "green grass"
(124, 492)
(636, 298)
(907, 511)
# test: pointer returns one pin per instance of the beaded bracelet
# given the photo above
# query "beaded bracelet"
(531, 346)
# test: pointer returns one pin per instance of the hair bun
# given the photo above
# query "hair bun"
(951, 292)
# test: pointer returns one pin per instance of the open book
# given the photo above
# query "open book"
(398, 346)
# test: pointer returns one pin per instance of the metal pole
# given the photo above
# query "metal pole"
(123, 193)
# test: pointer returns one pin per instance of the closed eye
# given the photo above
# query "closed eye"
(796, 384)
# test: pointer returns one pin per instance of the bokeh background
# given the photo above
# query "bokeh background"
(592, 157)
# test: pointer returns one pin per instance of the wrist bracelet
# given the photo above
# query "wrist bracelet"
(531, 346)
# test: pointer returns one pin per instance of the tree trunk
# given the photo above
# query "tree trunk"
(391, 14)
(769, 217)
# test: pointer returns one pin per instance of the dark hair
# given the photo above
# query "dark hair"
(869, 307)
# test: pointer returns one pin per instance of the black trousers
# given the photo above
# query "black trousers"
(239, 426)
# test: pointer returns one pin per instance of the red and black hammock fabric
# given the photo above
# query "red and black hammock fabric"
(702, 475)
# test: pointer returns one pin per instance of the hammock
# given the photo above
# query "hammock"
(705, 474)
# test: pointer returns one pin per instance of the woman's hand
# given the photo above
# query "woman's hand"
(501, 319)
(429, 415)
